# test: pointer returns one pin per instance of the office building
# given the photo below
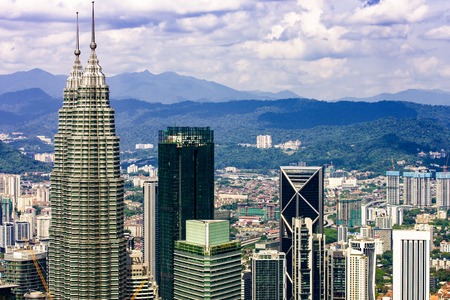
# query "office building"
(87, 254)
(207, 265)
(246, 285)
(417, 189)
(393, 187)
(268, 275)
(21, 270)
(151, 226)
(264, 141)
(362, 253)
(349, 212)
(301, 195)
(335, 280)
(308, 270)
(411, 265)
(185, 191)
(443, 190)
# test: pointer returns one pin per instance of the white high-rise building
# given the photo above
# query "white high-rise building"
(150, 226)
(6, 235)
(10, 186)
(417, 189)
(43, 226)
(443, 190)
(362, 254)
(396, 214)
(22, 231)
(357, 275)
(264, 141)
(393, 187)
(411, 265)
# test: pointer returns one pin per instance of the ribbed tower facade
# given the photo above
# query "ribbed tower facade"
(87, 248)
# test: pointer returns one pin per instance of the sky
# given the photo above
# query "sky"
(322, 49)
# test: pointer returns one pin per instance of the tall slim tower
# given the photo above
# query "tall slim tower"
(87, 246)
(417, 189)
(150, 256)
(393, 187)
(443, 190)
(301, 195)
(411, 264)
(185, 191)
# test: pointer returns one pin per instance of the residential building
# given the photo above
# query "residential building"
(411, 265)
(301, 195)
(22, 231)
(393, 187)
(6, 209)
(185, 191)
(207, 265)
(6, 236)
(443, 190)
(417, 189)
(342, 233)
(268, 275)
(386, 236)
(396, 213)
(349, 212)
(264, 141)
(87, 253)
(43, 227)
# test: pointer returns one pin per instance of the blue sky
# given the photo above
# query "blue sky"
(324, 49)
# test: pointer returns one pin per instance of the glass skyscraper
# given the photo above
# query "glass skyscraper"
(87, 247)
(185, 191)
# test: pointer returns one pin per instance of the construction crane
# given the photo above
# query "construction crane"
(138, 289)
(38, 269)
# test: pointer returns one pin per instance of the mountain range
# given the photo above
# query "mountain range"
(170, 87)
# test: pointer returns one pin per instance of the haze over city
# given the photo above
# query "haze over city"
(317, 49)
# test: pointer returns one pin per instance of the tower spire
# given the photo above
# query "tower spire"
(77, 51)
(93, 44)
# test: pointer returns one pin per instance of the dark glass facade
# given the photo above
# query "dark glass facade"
(185, 190)
(301, 195)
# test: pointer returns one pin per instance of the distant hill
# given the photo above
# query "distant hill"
(353, 134)
(14, 162)
(168, 87)
(433, 97)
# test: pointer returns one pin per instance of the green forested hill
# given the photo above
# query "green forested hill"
(14, 162)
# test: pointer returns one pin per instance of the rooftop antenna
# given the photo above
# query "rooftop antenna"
(93, 44)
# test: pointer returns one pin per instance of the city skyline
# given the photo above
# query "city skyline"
(325, 49)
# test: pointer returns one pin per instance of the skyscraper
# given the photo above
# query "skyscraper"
(411, 264)
(361, 269)
(301, 195)
(185, 190)
(269, 275)
(150, 256)
(393, 187)
(207, 265)
(308, 263)
(335, 273)
(87, 246)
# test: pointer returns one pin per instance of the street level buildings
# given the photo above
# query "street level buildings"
(185, 191)
(87, 246)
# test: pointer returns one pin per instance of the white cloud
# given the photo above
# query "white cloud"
(439, 33)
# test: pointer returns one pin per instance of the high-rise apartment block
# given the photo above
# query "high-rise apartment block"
(349, 212)
(185, 191)
(6, 236)
(301, 196)
(417, 189)
(308, 262)
(411, 265)
(264, 141)
(207, 265)
(22, 231)
(10, 187)
(443, 190)
(393, 187)
(268, 275)
(87, 245)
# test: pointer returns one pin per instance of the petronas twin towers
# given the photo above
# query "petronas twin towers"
(87, 249)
